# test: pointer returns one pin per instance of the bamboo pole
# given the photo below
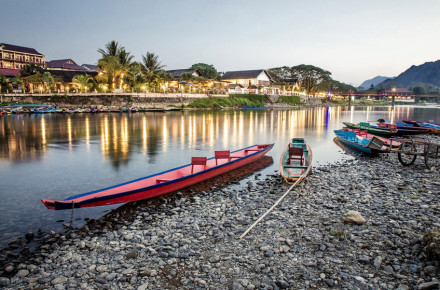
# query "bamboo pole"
(271, 208)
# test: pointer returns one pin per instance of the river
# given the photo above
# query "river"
(56, 156)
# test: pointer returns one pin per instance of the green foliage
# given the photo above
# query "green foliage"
(291, 100)
(256, 100)
(236, 101)
(4, 84)
(207, 71)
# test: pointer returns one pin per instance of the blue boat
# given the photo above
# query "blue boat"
(350, 139)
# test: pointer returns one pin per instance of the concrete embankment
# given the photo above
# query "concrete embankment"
(118, 100)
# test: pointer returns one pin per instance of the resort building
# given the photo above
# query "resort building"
(14, 57)
(90, 67)
(64, 64)
(249, 82)
(178, 72)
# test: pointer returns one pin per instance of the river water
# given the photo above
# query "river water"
(56, 156)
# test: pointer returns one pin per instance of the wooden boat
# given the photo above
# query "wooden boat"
(200, 169)
(365, 134)
(434, 128)
(296, 160)
(350, 139)
(404, 129)
(372, 130)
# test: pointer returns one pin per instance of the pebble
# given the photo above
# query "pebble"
(192, 241)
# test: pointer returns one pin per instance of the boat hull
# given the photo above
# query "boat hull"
(157, 183)
(374, 131)
(292, 172)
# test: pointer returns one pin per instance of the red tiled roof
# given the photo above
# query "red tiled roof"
(9, 72)
(20, 49)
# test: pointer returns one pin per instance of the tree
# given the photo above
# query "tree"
(4, 84)
(206, 70)
(311, 77)
(83, 81)
(111, 49)
(48, 81)
(150, 67)
(112, 69)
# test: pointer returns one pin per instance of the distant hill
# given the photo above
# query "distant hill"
(374, 81)
(427, 73)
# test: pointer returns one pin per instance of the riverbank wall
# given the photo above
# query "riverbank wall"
(141, 100)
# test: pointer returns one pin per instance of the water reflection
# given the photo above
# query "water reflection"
(26, 138)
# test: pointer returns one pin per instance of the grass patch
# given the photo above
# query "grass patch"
(291, 100)
(220, 102)
(340, 234)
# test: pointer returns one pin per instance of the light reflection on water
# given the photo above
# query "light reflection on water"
(55, 156)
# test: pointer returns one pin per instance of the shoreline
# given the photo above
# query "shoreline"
(189, 241)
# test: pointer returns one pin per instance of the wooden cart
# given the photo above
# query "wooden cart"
(409, 150)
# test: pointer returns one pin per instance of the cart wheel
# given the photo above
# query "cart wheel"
(405, 157)
(430, 151)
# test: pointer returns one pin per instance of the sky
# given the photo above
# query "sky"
(355, 40)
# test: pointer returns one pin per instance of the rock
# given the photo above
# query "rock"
(430, 270)
(143, 286)
(131, 255)
(101, 281)
(9, 269)
(354, 217)
(23, 273)
(58, 280)
(429, 285)
(282, 284)
(431, 242)
(4, 281)
(377, 262)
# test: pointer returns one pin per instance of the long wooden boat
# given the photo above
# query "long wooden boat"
(296, 160)
(200, 169)
(371, 130)
(404, 129)
(434, 128)
(350, 139)
(365, 134)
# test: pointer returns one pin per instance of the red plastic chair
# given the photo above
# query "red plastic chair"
(198, 161)
(296, 153)
(226, 154)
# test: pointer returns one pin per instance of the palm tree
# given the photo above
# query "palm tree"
(112, 49)
(150, 67)
(82, 81)
(112, 69)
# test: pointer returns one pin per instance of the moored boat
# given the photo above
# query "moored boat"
(404, 129)
(350, 139)
(370, 129)
(296, 160)
(434, 128)
(365, 134)
(200, 169)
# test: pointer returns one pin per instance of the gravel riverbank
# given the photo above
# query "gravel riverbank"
(308, 241)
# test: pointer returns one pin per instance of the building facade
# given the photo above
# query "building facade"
(249, 82)
(16, 57)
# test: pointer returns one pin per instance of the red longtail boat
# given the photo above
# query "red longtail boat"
(200, 169)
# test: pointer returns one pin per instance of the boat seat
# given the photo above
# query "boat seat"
(198, 161)
(161, 180)
(226, 154)
(293, 166)
(296, 153)
(350, 136)
(363, 133)
(364, 141)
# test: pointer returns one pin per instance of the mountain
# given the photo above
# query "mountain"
(374, 81)
(427, 73)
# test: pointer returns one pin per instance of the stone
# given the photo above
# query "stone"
(354, 217)
(430, 270)
(429, 285)
(58, 280)
(131, 255)
(9, 269)
(4, 281)
(23, 273)
(431, 242)
(377, 262)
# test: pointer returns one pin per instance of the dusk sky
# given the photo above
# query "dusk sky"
(355, 40)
